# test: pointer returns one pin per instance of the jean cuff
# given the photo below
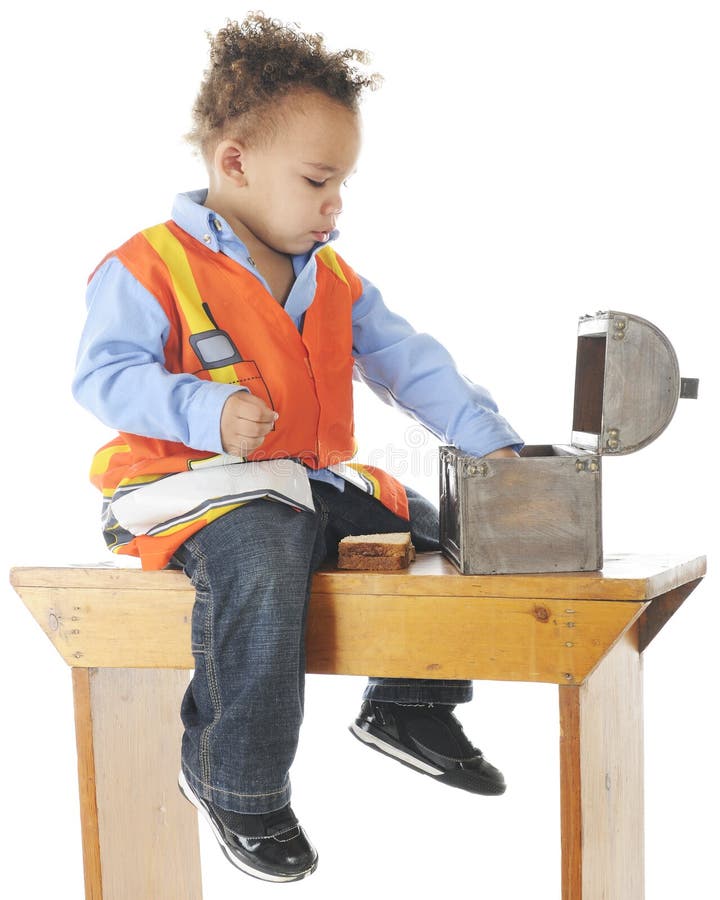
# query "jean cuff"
(245, 804)
(417, 690)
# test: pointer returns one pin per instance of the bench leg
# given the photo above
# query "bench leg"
(601, 779)
(139, 834)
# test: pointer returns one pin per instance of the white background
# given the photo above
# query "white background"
(524, 163)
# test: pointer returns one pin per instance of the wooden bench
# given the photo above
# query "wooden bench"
(126, 635)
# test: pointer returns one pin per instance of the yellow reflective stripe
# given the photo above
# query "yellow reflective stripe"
(144, 479)
(102, 458)
(109, 492)
(172, 253)
(226, 374)
(362, 470)
(327, 255)
(209, 516)
(208, 462)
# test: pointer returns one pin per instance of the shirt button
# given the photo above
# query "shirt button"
(218, 224)
(207, 238)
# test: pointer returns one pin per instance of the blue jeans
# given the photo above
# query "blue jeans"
(252, 570)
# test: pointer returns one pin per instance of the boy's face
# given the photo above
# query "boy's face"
(289, 193)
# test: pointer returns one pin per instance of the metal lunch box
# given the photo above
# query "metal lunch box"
(543, 512)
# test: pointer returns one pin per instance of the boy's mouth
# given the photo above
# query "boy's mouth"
(320, 235)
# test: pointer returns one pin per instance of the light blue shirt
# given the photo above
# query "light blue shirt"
(121, 376)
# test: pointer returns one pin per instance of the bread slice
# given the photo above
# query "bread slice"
(376, 552)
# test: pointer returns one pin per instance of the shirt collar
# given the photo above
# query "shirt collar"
(211, 229)
(200, 222)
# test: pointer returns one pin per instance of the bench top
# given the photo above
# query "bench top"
(427, 621)
(623, 577)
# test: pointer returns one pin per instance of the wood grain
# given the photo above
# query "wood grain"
(147, 832)
(580, 630)
(601, 760)
(430, 637)
(661, 610)
(449, 637)
(86, 780)
(513, 516)
(552, 628)
(623, 577)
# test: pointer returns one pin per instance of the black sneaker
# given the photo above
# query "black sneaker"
(277, 851)
(430, 739)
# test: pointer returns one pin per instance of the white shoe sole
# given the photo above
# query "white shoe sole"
(389, 750)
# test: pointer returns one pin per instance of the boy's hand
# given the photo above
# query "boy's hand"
(244, 423)
(507, 452)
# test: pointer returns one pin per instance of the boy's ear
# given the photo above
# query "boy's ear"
(229, 159)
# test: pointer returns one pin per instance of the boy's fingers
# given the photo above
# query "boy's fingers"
(246, 421)
(255, 423)
(262, 416)
(248, 406)
(247, 428)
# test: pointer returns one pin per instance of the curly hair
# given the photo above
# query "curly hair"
(259, 62)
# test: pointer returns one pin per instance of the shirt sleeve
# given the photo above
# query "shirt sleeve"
(415, 372)
(120, 373)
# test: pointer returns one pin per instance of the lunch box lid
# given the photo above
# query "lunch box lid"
(627, 383)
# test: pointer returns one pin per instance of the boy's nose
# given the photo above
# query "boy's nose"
(331, 207)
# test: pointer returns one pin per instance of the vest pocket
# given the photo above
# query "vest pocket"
(248, 375)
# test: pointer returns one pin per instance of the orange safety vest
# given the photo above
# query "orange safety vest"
(226, 327)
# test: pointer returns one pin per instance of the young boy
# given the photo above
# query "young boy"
(222, 346)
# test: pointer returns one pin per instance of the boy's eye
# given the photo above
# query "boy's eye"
(317, 184)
